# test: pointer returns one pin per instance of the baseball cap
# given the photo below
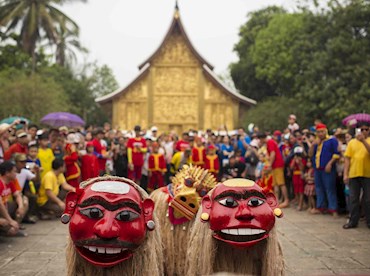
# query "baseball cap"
(21, 134)
(154, 128)
(277, 133)
(321, 126)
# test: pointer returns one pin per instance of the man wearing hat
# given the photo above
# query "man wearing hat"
(154, 131)
(24, 176)
(136, 148)
(324, 153)
(21, 146)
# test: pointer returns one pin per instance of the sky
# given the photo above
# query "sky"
(124, 33)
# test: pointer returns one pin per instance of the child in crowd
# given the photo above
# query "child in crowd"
(45, 154)
(212, 162)
(89, 163)
(33, 163)
(264, 174)
(309, 189)
(157, 168)
(297, 166)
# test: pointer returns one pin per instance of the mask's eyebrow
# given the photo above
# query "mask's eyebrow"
(229, 194)
(238, 196)
(248, 194)
(108, 205)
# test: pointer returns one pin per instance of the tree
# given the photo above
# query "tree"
(272, 114)
(30, 96)
(243, 72)
(320, 60)
(103, 80)
(282, 52)
(35, 20)
(67, 45)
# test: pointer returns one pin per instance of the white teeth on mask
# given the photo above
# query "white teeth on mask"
(92, 248)
(105, 250)
(243, 231)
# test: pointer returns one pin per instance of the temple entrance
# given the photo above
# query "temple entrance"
(176, 128)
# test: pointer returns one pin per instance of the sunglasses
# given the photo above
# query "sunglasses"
(364, 129)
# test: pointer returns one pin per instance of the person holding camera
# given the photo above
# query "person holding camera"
(356, 174)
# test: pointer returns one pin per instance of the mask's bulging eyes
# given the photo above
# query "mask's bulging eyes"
(254, 202)
(93, 213)
(228, 202)
(126, 216)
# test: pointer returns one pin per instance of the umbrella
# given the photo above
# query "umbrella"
(354, 119)
(58, 119)
(10, 120)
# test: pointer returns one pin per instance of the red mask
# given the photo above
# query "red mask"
(108, 221)
(239, 212)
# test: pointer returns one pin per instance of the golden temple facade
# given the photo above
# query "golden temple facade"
(176, 89)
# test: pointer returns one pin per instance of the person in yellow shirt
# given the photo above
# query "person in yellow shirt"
(180, 159)
(45, 154)
(51, 198)
(356, 174)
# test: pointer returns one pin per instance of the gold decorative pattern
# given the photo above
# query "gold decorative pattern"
(175, 51)
(175, 94)
(175, 80)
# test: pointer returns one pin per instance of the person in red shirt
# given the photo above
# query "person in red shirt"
(276, 162)
(89, 163)
(99, 150)
(21, 146)
(136, 148)
(73, 171)
(297, 165)
(198, 153)
(11, 214)
(212, 163)
(157, 168)
(183, 143)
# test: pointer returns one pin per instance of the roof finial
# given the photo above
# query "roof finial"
(177, 13)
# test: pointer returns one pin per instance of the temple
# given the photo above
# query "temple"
(176, 89)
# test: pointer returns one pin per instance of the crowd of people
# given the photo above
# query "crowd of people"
(308, 169)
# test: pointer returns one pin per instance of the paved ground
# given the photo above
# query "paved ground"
(312, 245)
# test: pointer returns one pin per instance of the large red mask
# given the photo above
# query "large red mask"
(239, 212)
(108, 221)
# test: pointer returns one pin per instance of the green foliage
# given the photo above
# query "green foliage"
(273, 113)
(103, 81)
(30, 96)
(243, 72)
(30, 82)
(318, 60)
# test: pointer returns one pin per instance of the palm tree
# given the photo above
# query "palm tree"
(66, 46)
(36, 19)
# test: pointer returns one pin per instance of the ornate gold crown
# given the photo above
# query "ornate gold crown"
(193, 177)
